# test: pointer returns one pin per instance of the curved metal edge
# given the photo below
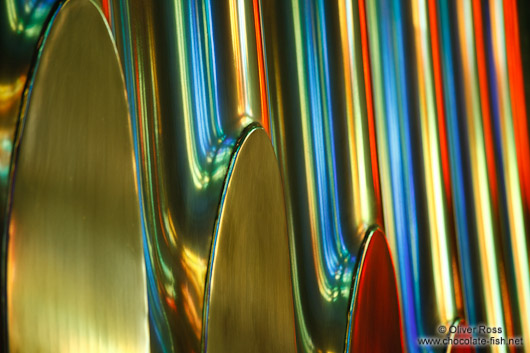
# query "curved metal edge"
(247, 132)
(17, 137)
(19, 127)
(374, 234)
(206, 306)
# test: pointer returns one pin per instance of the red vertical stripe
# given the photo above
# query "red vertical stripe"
(442, 128)
(520, 121)
(105, 4)
(370, 108)
(440, 111)
(261, 68)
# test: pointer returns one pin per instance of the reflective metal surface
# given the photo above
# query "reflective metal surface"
(404, 116)
(374, 324)
(75, 272)
(450, 182)
(21, 23)
(498, 288)
(249, 305)
(323, 130)
(414, 183)
(195, 80)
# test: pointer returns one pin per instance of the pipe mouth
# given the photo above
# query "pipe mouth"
(75, 259)
(374, 323)
(248, 301)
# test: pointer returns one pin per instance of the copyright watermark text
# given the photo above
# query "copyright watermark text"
(478, 336)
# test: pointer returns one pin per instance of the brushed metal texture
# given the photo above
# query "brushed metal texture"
(76, 273)
(249, 304)
(195, 82)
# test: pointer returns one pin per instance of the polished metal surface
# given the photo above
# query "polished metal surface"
(452, 161)
(249, 303)
(21, 24)
(195, 79)
(323, 130)
(374, 321)
(404, 116)
(75, 269)
(415, 181)
(498, 283)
